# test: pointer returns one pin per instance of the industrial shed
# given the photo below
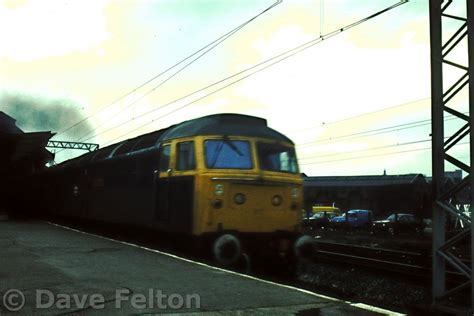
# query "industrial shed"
(383, 194)
(22, 155)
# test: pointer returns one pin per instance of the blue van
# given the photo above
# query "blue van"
(353, 218)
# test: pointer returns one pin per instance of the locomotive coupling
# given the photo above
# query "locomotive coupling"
(227, 249)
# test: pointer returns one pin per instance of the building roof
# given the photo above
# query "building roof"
(352, 181)
(28, 144)
(18, 147)
(7, 124)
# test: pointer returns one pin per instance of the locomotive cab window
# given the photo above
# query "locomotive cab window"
(274, 157)
(228, 154)
(165, 153)
(185, 156)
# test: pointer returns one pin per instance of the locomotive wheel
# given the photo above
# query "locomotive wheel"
(244, 264)
(304, 248)
(227, 249)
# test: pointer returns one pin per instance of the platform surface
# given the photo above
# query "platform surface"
(46, 269)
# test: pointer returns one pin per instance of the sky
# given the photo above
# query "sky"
(356, 103)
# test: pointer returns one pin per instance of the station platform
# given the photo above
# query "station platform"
(49, 269)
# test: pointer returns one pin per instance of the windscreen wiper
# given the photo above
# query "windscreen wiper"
(229, 143)
(217, 152)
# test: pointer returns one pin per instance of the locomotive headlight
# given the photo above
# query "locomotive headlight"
(239, 198)
(277, 200)
(295, 192)
(219, 189)
(216, 203)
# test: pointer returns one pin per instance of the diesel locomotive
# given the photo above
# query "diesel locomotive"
(226, 181)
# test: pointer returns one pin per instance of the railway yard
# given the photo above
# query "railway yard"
(148, 214)
(384, 274)
(190, 215)
(87, 239)
(291, 195)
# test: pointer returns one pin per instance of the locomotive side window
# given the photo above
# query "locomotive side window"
(274, 157)
(228, 154)
(165, 154)
(186, 158)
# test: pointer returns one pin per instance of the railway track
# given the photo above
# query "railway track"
(403, 263)
(407, 263)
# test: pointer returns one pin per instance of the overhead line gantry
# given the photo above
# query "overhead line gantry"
(451, 298)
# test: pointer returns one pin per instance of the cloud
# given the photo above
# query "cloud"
(38, 113)
(39, 29)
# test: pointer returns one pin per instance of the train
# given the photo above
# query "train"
(226, 182)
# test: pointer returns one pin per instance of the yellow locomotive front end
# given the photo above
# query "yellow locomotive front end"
(249, 195)
(231, 182)
(249, 185)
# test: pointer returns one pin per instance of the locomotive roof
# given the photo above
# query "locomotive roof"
(218, 124)
(224, 124)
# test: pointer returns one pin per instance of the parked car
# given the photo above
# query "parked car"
(307, 214)
(319, 208)
(320, 219)
(398, 223)
(353, 218)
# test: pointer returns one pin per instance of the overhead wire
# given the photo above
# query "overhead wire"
(368, 133)
(265, 64)
(324, 124)
(375, 155)
(378, 131)
(205, 48)
(321, 16)
(449, 118)
(366, 149)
